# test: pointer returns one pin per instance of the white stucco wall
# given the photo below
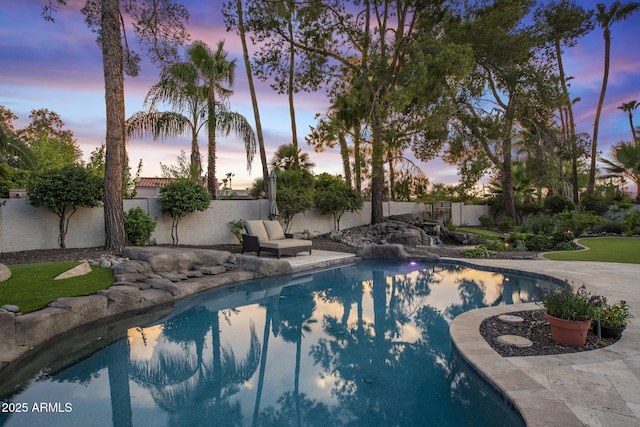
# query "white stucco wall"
(24, 227)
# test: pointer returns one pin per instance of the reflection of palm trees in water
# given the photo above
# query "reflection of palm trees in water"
(114, 357)
(192, 388)
(296, 318)
(374, 364)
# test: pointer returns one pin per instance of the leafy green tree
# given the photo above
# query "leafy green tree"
(97, 164)
(52, 145)
(277, 27)
(606, 17)
(159, 27)
(329, 132)
(63, 190)
(291, 202)
(181, 170)
(563, 23)
(393, 56)
(180, 198)
(511, 79)
(594, 203)
(234, 13)
(556, 203)
(332, 196)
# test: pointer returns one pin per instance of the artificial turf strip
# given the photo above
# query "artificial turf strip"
(31, 286)
(603, 249)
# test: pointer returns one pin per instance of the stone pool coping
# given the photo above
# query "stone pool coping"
(99, 318)
(591, 388)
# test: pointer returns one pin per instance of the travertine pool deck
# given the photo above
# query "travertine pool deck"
(591, 388)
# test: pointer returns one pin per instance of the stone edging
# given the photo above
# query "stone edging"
(152, 277)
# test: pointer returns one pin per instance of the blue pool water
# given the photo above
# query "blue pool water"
(361, 345)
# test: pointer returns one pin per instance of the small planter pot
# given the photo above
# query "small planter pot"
(569, 332)
(611, 332)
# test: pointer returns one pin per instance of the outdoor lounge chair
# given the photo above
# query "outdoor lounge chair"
(268, 236)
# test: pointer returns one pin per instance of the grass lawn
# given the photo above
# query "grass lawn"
(487, 234)
(31, 286)
(604, 249)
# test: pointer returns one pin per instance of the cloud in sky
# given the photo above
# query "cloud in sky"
(59, 66)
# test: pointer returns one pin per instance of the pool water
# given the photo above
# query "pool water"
(362, 345)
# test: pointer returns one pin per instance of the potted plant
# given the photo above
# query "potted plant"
(614, 319)
(569, 314)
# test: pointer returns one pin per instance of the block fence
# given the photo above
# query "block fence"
(24, 227)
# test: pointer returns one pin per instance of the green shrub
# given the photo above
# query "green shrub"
(514, 237)
(538, 243)
(578, 222)
(519, 246)
(540, 224)
(613, 227)
(487, 221)
(496, 245)
(138, 225)
(565, 246)
(561, 237)
(237, 226)
(556, 203)
(632, 221)
(594, 203)
(507, 224)
(480, 251)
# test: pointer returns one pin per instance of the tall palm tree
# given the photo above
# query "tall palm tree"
(179, 87)
(566, 22)
(214, 70)
(285, 159)
(234, 16)
(628, 107)
(190, 89)
(606, 18)
(625, 164)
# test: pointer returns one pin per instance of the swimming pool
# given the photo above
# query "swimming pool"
(364, 344)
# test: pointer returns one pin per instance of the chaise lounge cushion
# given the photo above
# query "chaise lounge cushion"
(274, 230)
(302, 245)
(256, 228)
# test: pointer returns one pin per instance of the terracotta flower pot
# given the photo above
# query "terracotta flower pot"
(569, 332)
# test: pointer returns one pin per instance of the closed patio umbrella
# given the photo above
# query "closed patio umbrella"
(273, 207)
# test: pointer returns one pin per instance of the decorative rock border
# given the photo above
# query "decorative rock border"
(152, 277)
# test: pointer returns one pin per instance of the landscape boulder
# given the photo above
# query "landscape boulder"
(5, 273)
(392, 251)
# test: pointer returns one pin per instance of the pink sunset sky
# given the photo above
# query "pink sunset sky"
(59, 66)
